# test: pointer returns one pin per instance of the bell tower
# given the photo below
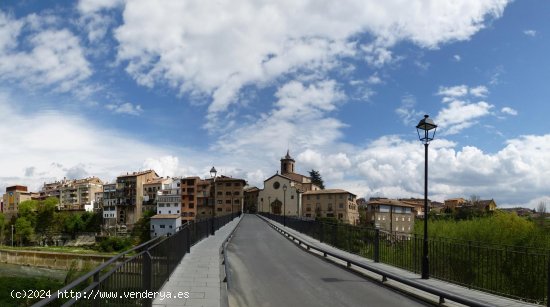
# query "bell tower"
(287, 164)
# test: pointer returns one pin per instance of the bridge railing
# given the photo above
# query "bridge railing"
(132, 277)
(517, 272)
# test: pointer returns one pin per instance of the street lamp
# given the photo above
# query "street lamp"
(213, 173)
(284, 204)
(423, 128)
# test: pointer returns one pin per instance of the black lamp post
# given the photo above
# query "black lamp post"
(423, 128)
(213, 173)
(284, 204)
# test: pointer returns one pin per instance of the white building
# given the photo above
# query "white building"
(169, 198)
(165, 224)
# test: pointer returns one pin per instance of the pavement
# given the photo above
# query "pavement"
(486, 298)
(199, 275)
(268, 270)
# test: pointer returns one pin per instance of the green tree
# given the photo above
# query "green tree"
(74, 224)
(24, 230)
(317, 179)
(2, 227)
(45, 218)
(27, 209)
(142, 229)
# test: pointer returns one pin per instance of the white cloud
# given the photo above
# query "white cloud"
(54, 58)
(453, 91)
(164, 166)
(406, 110)
(531, 33)
(479, 91)
(50, 145)
(213, 49)
(509, 111)
(459, 111)
(125, 108)
(514, 175)
(457, 58)
(374, 79)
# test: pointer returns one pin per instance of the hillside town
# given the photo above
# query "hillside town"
(176, 200)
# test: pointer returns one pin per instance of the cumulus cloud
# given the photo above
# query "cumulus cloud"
(509, 111)
(125, 108)
(76, 146)
(459, 111)
(199, 48)
(35, 53)
(457, 58)
(513, 176)
(164, 166)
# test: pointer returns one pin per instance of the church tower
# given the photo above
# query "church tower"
(287, 164)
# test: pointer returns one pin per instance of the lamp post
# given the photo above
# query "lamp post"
(423, 129)
(284, 204)
(213, 173)
(298, 211)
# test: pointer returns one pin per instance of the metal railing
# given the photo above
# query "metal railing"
(517, 272)
(132, 277)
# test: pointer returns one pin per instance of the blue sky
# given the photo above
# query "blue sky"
(100, 87)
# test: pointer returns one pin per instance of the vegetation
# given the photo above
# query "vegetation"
(317, 179)
(7, 284)
(115, 244)
(142, 229)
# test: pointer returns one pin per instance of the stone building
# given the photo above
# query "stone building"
(391, 215)
(331, 203)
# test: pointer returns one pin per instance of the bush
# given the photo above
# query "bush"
(115, 244)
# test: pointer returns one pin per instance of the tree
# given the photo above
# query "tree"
(23, 229)
(142, 228)
(541, 210)
(316, 179)
(74, 224)
(2, 227)
(45, 218)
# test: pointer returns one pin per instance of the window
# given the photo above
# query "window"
(162, 226)
(169, 211)
(307, 197)
(291, 196)
(308, 209)
(329, 196)
(170, 226)
(161, 205)
(308, 215)
(152, 226)
(219, 209)
(228, 201)
(237, 184)
(396, 219)
(236, 193)
(220, 193)
(409, 219)
(379, 217)
(403, 219)
(276, 185)
(191, 214)
(219, 201)
(178, 211)
(383, 218)
(191, 205)
(237, 201)
(318, 196)
(341, 206)
(340, 216)
(396, 228)
(228, 193)
(228, 184)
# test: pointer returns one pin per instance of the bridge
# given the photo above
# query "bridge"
(256, 261)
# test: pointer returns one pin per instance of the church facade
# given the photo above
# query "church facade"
(282, 191)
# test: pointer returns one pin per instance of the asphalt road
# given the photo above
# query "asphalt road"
(266, 269)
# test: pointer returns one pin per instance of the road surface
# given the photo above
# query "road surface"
(266, 269)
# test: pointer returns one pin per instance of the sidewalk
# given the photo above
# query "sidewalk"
(486, 298)
(198, 273)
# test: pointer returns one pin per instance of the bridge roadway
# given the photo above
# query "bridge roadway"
(268, 270)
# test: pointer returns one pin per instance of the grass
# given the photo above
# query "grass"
(9, 284)
(59, 249)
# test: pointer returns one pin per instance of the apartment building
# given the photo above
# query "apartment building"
(108, 204)
(129, 192)
(391, 215)
(418, 204)
(332, 203)
(150, 189)
(251, 199)
(13, 197)
(228, 195)
(189, 187)
(79, 193)
(169, 199)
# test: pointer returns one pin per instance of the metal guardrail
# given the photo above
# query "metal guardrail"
(385, 275)
(503, 270)
(131, 278)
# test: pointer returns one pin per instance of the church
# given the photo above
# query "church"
(295, 195)
(282, 190)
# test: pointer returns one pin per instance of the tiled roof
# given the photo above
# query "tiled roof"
(138, 173)
(328, 191)
(389, 202)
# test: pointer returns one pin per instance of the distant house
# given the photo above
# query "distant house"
(418, 204)
(391, 215)
(454, 203)
(486, 205)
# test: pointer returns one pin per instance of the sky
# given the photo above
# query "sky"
(103, 87)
